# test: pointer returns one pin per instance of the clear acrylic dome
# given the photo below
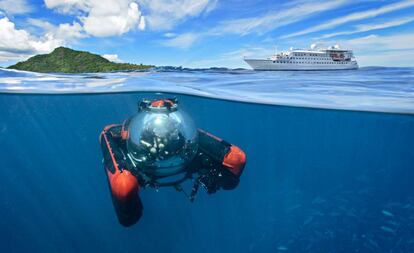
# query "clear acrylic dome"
(161, 143)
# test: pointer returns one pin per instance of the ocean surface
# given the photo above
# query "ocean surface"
(330, 162)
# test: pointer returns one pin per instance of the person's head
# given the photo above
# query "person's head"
(162, 139)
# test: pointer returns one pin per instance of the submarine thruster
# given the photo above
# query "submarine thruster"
(160, 147)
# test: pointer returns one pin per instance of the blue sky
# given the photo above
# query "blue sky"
(204, 33)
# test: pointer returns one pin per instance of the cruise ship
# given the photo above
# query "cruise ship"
(332, 58)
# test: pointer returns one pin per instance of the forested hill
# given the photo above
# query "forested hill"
(66, 60)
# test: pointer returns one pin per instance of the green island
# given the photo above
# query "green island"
(66, 60)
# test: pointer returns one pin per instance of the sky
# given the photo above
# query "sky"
(206, 33)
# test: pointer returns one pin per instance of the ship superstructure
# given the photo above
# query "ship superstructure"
(332, 58)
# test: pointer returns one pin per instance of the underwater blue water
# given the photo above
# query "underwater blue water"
(316, 180)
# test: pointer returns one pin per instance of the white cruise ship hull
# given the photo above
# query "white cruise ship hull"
(267, 64)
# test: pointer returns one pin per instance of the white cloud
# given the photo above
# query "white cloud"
(142, 23)
(68, 32)
(43, 24)
(112, 57)
(371, 27)
(16, 43)
(165, 14)
(354, 17)
(285, 15)
(102, 18)
(383, 43)
(382, 50)
(233, 59)
(170, 35)
(68, 6)
(95, 17)
(184, 40)
(11, 56)
(15, 6)
(65, 32)
(372, 50)
(282, 17)
(388, 59)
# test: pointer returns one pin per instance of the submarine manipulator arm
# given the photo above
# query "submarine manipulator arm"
(218, 163)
